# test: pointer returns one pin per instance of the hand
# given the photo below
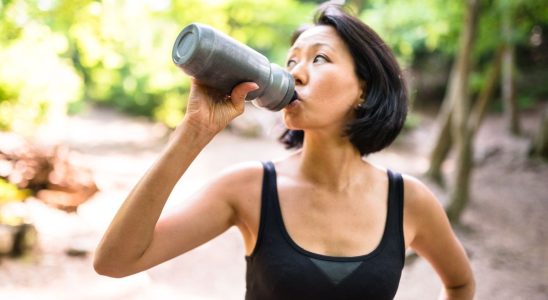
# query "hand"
(212, 111)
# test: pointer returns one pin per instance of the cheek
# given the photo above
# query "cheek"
(344, 90)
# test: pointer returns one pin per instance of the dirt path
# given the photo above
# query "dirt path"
(503, 229)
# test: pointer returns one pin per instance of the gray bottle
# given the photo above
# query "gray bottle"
(221, 62)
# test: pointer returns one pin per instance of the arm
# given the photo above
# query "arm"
(432, 237)
(135, 240)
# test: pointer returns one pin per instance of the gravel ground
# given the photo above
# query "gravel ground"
(503, 228)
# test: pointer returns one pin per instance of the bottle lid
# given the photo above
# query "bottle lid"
(185, 45)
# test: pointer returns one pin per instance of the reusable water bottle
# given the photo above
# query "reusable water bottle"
(221, 62)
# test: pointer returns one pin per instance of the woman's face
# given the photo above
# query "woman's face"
(325, 81)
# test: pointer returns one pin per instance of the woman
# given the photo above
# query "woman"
(322, 223)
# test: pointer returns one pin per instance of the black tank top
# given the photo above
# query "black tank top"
(279, 269)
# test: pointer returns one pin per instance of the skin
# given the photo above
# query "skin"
(342, 217)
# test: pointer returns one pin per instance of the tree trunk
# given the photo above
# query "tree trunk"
(539, 147)
(443, 142)
(459, 197)
(458, 79)
(486, 93)
(511, 111)
(459, 194)
(462, 135)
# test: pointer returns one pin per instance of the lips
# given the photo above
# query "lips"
(295, 100)
(297, 96)
(293, 103)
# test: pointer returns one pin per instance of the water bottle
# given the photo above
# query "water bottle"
(218, 61)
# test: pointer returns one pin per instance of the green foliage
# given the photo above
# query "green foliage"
(118, 52)
(10, 193)
(57, 54)
(36, 81)
(415, 26)
(523, 16)
(122, 51)
(266, 25)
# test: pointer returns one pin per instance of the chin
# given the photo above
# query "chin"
(293, 127)
(291, 124)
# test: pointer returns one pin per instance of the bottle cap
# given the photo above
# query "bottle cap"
(185, 45)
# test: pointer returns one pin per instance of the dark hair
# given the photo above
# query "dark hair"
(380, 118)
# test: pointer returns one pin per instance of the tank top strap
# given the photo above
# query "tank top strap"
(269, 177)
(395, 208)
(268, 192)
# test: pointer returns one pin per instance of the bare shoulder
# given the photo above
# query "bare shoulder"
(240, 178)
(241, 186)
(246, 170)
(417, 195)
(422, 210)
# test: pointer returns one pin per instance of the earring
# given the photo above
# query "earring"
(361, 104)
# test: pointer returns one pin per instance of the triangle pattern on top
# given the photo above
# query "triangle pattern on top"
(336, 271)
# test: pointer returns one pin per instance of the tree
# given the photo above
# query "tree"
(539, 145)
(508, 86)
(458, 121)
(460, 100)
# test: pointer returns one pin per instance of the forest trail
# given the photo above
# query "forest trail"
(504, 228)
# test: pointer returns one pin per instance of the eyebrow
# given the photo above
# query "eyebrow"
(314, 45)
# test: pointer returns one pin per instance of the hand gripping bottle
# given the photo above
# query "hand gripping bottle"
(220, 62)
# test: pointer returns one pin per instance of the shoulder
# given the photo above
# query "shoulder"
(241, 186)
(244, 170)
(422, 210)
(416, 193)
(239, 177)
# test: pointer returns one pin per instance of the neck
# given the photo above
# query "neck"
(329, 160)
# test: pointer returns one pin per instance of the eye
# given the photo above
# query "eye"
(320, 59)
(290, 63)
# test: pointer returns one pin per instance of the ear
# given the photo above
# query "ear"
(363, 93)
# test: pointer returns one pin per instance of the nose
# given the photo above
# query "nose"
(299, 73)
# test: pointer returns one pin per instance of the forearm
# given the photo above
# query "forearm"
(131, 231)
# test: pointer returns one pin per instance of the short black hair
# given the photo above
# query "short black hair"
(380, 118)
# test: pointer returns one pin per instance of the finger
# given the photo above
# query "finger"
(241, 90)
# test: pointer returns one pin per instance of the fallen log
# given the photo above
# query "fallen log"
(46, 171)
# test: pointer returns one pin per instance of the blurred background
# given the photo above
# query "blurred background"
(89, 95)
